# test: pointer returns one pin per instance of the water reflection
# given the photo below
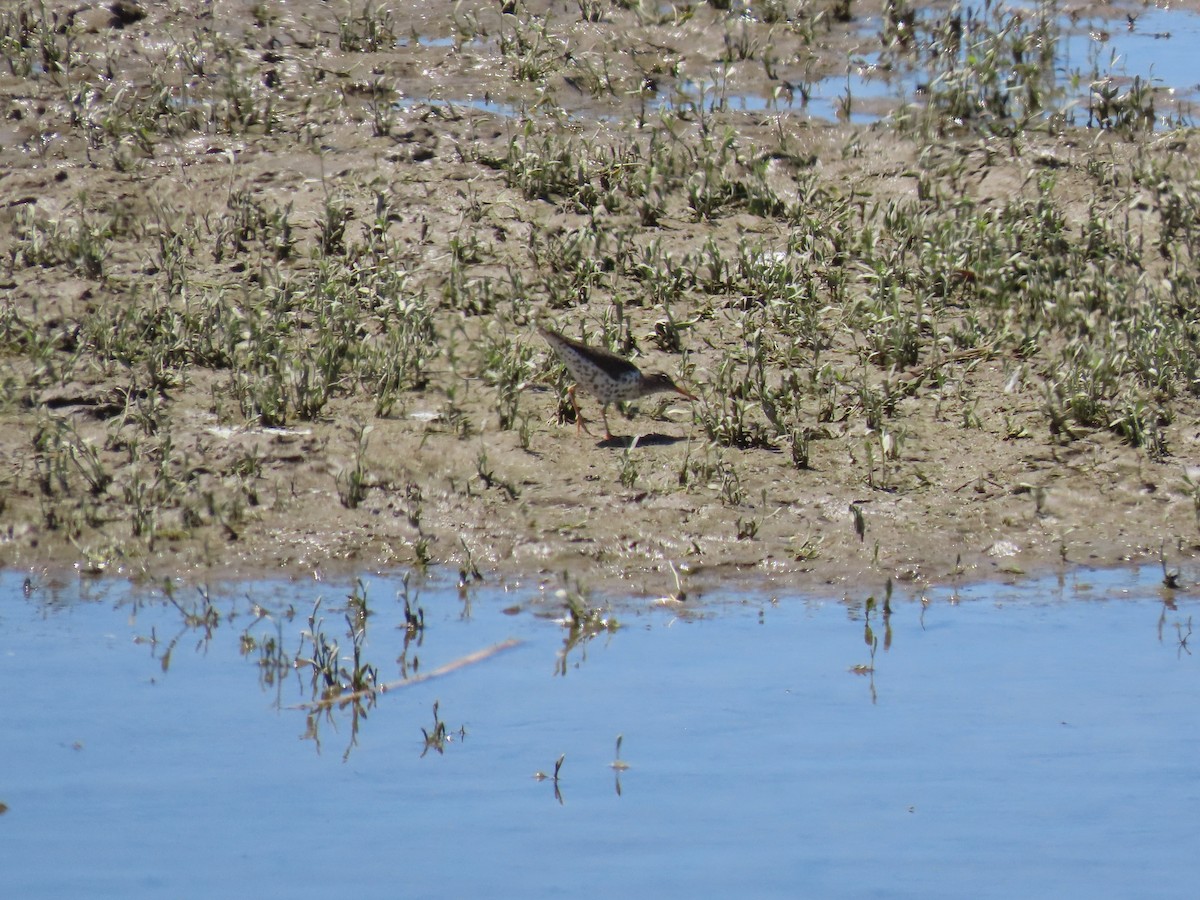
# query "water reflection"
(553, 778)
(346, 688)
(757, 748)
(439, 737)
(618, 765)
(583, 622)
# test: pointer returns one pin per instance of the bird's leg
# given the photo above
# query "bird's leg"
(580, 421)
(604, 415)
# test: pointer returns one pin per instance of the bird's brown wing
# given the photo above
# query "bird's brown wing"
(610, 364)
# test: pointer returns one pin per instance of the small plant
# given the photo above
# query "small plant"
(414, 616)
(542, 776)
(322, 655)
(357, 606)
(400, 358)
(628, 474)
(489, 478)
(507, 365)
(370, 30)
(438, 738)
(590, 10)
(860, 525)
(1111, 107)
(82, 242)
(747, 528)
(337, 214)
(353, 483)
(583, 622)
(362, 676)
(1170, 577)
(619, 764)
(532, 50)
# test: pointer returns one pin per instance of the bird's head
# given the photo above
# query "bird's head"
(660, 382)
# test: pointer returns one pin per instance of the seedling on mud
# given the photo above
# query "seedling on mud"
(628, 474)
(860, 525)
(352, 483)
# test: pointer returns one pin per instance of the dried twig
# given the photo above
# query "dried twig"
(469, 660)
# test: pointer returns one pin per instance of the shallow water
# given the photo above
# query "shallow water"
(1159, 45)
(1151, 44)
(1154, 45)
(1031, 740)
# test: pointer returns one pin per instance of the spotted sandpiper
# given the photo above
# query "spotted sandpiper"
(605, 375)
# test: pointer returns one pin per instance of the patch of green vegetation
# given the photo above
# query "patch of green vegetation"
(817, 297)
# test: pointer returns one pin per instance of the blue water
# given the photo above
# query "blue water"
(1158, 48)
(480, 104)
(832, 98)
(1034, 740)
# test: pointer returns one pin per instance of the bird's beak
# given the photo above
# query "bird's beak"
(680, 390)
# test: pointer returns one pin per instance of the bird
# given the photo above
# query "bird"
(608, 377)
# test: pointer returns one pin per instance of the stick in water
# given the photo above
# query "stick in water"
(469, 660)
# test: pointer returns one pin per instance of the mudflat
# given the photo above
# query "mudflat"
(272, 274)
